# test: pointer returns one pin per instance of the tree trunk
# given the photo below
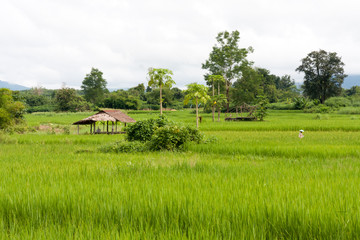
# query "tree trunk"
(227, 97)
(197, 114)
(160, 100)
(213, 106)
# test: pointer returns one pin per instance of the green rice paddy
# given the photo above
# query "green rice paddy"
(257, 181)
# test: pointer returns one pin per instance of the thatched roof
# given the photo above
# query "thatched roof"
(104, 116)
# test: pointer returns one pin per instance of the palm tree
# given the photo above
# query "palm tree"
(196, 93)
(160, 77)
(219, 101)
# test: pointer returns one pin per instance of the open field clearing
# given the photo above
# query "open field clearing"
(258, 180)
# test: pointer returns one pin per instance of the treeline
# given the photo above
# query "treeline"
(253, 83)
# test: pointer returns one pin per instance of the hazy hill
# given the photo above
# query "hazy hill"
(351, 80)
(12, 86)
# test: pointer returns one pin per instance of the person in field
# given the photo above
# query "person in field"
(301, 135)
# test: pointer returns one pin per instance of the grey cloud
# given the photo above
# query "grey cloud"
(50, 42)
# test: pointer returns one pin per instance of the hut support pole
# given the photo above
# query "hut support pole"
(116, 123)
(90, 128)
(107, 127)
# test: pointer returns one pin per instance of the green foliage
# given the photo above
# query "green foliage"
(321, 108)
(124, 147)
(172, 137)
(349, 110)
(160, 78)
(68, 100)
(196, 93)
(122, 100)
(162, 134)
(324, 75)
(11, 111)
(301, 102)
(281, 106)
(42, 108)
(144, 130)
(261, 110)
(94, 86)
(337, 102)
(227, 59)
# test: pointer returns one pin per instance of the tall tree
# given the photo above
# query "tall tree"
(160, 78)
(248, 87)
(68, 100)
(196, 93)
(94, 86)
(324, 74)
(227, 59)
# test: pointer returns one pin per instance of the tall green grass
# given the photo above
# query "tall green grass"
(255, 182)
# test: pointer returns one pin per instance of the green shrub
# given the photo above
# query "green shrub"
(172, 137)
(349, 110)
(337, 102)
(281, 106)
(143, 130)
(42, 108)
(321, 108)
(301, 102)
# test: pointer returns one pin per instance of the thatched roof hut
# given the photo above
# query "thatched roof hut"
(105, 116)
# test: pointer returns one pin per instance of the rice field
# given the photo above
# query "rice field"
(257, 181)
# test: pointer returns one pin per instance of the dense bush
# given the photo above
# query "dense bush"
(349, 110)
(281, 106)
(42, 108)
(321, 108)
(143, 130)
(172, 137)
(301, 103)
(337, 102)
(154, 135)
(11, 111)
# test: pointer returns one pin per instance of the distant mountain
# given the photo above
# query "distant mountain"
(350, 81)
(13, 87)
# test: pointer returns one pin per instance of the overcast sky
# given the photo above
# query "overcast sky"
(50, 42)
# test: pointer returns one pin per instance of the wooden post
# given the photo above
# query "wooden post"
(112, 127)
(107, 127)
(90, 128)
(116, 125)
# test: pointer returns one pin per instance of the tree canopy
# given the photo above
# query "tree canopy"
(11, 111)
(68, 100)
(324, 74)
(94, 86)
(160, 78)
(227, 59)
(196, 93)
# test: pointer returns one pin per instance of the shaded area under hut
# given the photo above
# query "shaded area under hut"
(103, 118)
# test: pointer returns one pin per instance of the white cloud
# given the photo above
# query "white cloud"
(50, 42)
